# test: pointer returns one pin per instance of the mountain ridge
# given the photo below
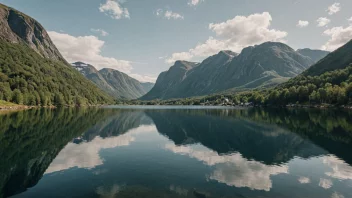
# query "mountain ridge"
(314, 54)
(17, 27)
(263, 65)
(117, 84)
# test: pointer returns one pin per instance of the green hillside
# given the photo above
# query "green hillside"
(28, 78)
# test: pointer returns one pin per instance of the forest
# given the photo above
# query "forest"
(29, 79)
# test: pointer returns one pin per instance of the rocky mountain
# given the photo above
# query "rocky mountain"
(33, 72)
(339, 59)
(315, 55)
(117, 84)
(171, 79)
(17, 27)
(262, 65)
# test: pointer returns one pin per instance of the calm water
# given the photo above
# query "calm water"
(161, 152)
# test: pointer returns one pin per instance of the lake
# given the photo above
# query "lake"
(176, 152)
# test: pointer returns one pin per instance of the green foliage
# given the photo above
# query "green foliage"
(6, 104)
(28, 78)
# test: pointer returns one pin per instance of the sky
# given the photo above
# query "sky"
(145, 37)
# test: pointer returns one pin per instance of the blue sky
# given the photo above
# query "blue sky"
(144, 37)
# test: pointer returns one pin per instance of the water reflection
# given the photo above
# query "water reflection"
(176, 153)
(232, 169)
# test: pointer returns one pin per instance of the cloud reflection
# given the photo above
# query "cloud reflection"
(86, 154)
(340, 169)
(232, 170)
(304, 180)
(325, 183)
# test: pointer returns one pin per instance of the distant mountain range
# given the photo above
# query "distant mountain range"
(264, 65)
(117, 84)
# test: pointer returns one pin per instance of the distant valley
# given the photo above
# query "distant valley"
(117, 84)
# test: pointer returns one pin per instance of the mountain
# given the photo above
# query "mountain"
(229, 134)
(19, 28)
(147, 86)
(33, 72)
(339, 59)
(169, 80)
(262, 65)
(117, 84)
(315, 55)
(327, 82)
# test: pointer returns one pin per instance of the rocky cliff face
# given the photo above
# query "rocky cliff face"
(170, 80)
(257, 66)
(119, 85)
(17, 27)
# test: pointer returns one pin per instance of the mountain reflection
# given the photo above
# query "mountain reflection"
(240, 148)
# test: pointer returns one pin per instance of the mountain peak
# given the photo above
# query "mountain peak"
(185, 64)
(228, 53)
(17, 27)
(274, 45)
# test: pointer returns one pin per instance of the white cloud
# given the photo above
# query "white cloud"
(304, 180)
(338, 37)
(194, 2)
(340, 169)
(173, 15)
(143, 78)
(179, 56)
(159, 12)
(114, 9)
(323, 21)
(334, 8)
(233, 169)
(100, 31)
(302, 24)
(350, 19)
(86, 155)
(325, 183)
(234, 34)
(168, 14)
(87, 49)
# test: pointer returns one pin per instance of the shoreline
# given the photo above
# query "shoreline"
(24, 107)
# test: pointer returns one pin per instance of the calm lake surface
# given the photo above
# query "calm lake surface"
(176, 152)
